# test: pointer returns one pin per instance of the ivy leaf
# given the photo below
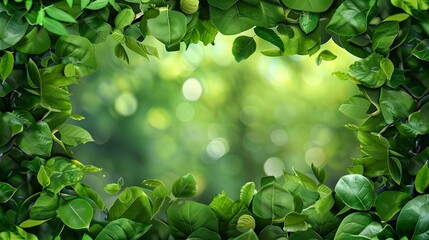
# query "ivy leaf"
(6, 65)
(422, 179)
(308, 5)
(270, 36)
(389, 203)
(73, 135)
(272, 202)
(413, 218)
(243, 47)
(59, 14)
(308, 21)
(123, 229)
(186, 217)
(76, 213)
(169, 27)
(359, 225)
(12, 30)
(6, 192)
(421, 51)
(185, 186)
(36, 140)
(356, 191)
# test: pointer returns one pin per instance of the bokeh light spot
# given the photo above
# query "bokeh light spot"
(316, 156)
(279, 137)
(217, 148)
(126, 104)
(192, 89)
(159, 118)
(274, 166)
(185, 112)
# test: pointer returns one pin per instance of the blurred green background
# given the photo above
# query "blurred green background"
(199, 111)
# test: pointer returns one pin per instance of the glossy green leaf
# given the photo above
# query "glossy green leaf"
(222, 19)
(121, 53)
(224, 207)
(123, 229)
(308, 21)
(18, 234)
(243, 47)
(29, 223)
(76, 213)
(94, 28)
(55, 99)
(410, 5)
(413, 219)
(270, 36)
(133, 204)
(358, 225)
(325, 55)
(54, 26)
(185, 186)
(186, 217)
(33, 75)
(356, 191)
(395, 169)
(6, 192)
(124, 18)
(422, 179)
(59, 14)
(97, 4)
(368, 71)
(6, 65)
(73, 135)
(308, 5)
(417, 123)
(399, 17)
(272, 202)
(43, 177)
(326, 200)
(169, 27)
(350, 18)
(63, 173)
(387, 67)
(36, 140)
(384, 35)
(395, 104)
(389, 203)
(295, 222)
(45, 206)
(84, 190)
(421, 51)
(247, 192)
(159, 188)
(224, 5)
(78, 51)
(12, 30)
(112, 188)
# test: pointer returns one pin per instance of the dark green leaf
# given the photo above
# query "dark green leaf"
(85, 190)
(6, 65)
(308, 21)
(395, 104)
(389, 203)
(6, 192)
(186, 217)
(37, 41)
(273, 202)
(185, 186)
(169, 27)
(324, 224)
(12, 30)
(224, 5)
(123, 229)
(45, 206)
(121, 53)
(243, 47)
(204, 234)
(422, 179)
(413, 219)
(63, 173)
(309, 234)
(249, 235)
(368, 71)
(356, 191)
(358, 225)
(222, 19)
(76, 213)
(73, 135)
(272, 232)
(59, 14)
(36, 140)
(421, 51)
(33, 74)
(417, 123)
(94, 28)
(308, 5)
(384, 35)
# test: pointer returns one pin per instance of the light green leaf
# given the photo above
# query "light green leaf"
(76, 213)
(36, 140)
(97, 4)
(140, 48)
(19, 234)
(45, 206)
(422, 179)
(224, 207)
(185, 186)
(325, 55)
(319, 172)
(43, 177)
(356, 191)
(308, 21)
(186, 217)
(308, 5)
(358, 225)
(85, 190)
(6, 192)
(12, 30)
(123, 228)
(158, 186)
(112, 188)
(63, 173)
(121, 53)
(270, 36)
(389, 203)
(29, 223)
(6, 65)
(169, 27)
(326, 200)
(421, 51)
(73, 135)
(54, 26)
(399, 17)
(272, 202)
(124, 18)
(297, 42)
(387, 67)
(59, 14)
(410, 6)
(222, 19)
(413, 218)
(395, 104)
(247, 192)
(243, 47)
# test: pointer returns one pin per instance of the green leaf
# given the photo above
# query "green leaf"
(54, 26)
(308, 21)
(395, 169)
(45, 206)
(76, 213)
(358, 225)
(389, 203)
(384, 35)
(78, 51)
(112, 188)
(350, 18)
(421, 51)
(387, 67)
(325, 55)
(247, 192)
(272, 202)
(158, 186)
(325, 224)
(297, 42)
(356, 107)
(399, 17)
(12, 30)
(185, 186)
(326, 200)
(55, 99)
(59, 14)
(243, 47)
(169, 27)
(319, 172)
(140, 48)
(356, 191)
(94, 28)
(417, 123)
(133, 204)
(224, 5)
(395, 104)
(222, 19)
(123, 229)
(186, 217)
(43, 177)
(36, 140)
(368, 71)
(6, 65)
(272, 232)
(37, 41)
(18, 234)
(410, 5)
(73, 135)
(204, 234)
(413, 219)
(6, 192)
(124, 18)
(97, 4)
(249, 235)
(33, 74)
(308, 5)
(29, 223)
(309, 234)
(85, 190)
(295, 222)
(270, 36)
(63, 173)
(422, 179)
(121, 53)
(224, 207)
